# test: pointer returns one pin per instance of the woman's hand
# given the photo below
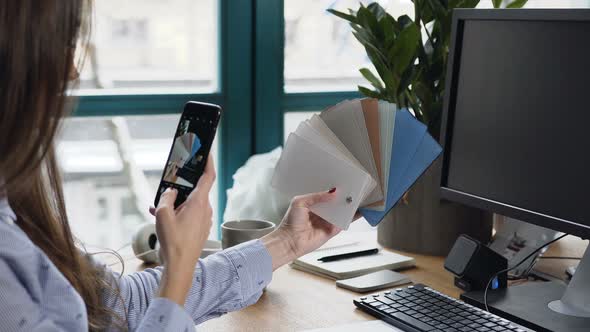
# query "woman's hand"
(182, 233)
(301, 231)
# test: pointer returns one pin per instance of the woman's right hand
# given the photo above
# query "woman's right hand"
(182, 233)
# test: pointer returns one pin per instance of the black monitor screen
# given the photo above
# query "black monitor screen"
(520, 124)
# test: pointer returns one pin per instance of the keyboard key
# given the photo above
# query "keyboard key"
(385, 300)
(390, 310)
(394, 297)
(412, 322)
(383, 307)
(374, 303)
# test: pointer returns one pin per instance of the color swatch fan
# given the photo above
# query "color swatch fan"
(369, 150)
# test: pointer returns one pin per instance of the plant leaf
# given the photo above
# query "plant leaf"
(372, 79)
(404, 21)
(391, 83)
(389, 28)
(517, 4)
(405, 48)
(367, 19)
(438, 9)
(496, 3)
(372, 51)
(377, 10)
(349, 18)
(407, 78)
(369, 93)
(463, 4)
(424, 10)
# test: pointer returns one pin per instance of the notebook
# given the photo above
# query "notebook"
(351, 267)
(369, 150)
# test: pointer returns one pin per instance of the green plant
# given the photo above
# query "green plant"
(411, 71)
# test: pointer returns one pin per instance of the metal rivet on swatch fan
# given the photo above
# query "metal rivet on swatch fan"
(348, 199)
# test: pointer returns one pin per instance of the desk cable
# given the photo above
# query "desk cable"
(485, 294)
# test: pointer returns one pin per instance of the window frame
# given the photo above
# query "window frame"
(272, 101)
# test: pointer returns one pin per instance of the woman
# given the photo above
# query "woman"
(48, 283)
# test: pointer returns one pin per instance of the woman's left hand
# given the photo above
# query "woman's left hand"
(301, 231)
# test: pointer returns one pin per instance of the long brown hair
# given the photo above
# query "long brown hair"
(37, 42)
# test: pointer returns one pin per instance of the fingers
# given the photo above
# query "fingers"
(329, 229)
(313, 199)
(207, 179)
(165, 207)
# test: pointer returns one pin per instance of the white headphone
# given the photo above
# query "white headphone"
(145, 244)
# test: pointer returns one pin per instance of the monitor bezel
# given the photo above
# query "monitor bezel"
(458, 19)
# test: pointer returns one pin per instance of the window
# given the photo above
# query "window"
(145, 60)
(108, 195)
(321, 54)
(141, 46)
(292, 120)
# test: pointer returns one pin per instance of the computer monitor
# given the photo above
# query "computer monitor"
(516, 137)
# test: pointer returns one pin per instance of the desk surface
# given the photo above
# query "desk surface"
(296, 300)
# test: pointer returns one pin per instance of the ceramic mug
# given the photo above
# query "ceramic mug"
(238, 231)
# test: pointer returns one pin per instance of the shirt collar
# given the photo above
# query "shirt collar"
(6, 212)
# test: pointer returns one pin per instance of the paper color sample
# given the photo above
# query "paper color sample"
(369, 150)
(306, 168)
(342, 120)
(386, 127)
(370, 108)
(412, 153)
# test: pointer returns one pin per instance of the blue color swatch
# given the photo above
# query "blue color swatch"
(413, 151)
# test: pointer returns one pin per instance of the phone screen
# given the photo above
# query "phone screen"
(190, 148)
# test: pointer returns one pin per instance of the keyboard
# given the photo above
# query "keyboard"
(420, 308)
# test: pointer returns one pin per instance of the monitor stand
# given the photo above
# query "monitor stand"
(543, 306)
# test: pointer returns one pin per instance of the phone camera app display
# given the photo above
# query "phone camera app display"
(186, 160)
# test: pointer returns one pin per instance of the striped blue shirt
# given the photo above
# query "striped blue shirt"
(35, 296)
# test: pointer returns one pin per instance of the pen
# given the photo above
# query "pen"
(348, 255)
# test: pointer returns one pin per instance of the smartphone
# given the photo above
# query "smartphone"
(190, 149)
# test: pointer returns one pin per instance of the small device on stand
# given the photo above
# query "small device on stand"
(474, 264)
